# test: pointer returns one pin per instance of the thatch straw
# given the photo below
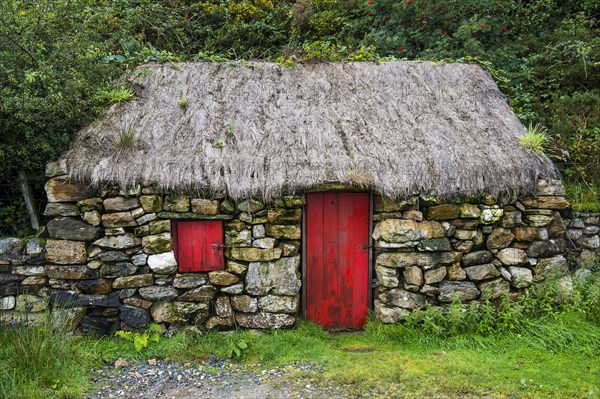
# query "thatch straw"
(260, 130)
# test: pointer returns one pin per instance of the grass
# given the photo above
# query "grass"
(114, 93)
(583, 196)
(534, 139)
(538, 348)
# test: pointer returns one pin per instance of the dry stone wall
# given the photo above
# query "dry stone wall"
(108, 262)
(583, 236)
(109, 258)
(433, 252)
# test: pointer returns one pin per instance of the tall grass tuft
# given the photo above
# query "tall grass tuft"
(41, 361)
(534, 139)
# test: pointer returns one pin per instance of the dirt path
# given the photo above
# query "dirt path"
(211, 379)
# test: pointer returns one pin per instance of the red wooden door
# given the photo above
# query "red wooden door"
(198, 245)
(337, 259)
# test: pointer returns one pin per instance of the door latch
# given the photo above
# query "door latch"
(364, 247)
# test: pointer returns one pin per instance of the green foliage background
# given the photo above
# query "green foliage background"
(57, 57)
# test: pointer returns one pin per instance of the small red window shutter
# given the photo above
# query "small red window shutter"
(198, 245)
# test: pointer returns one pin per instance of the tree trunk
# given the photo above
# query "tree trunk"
(29, 200)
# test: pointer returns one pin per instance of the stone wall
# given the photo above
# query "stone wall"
(108, 262)
(110, 254)
(583, 236)
(433, 252)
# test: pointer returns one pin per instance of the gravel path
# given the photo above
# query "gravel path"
(213, 378)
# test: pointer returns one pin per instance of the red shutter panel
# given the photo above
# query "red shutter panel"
(198, 245)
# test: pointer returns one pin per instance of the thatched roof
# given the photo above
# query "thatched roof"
(261, 130)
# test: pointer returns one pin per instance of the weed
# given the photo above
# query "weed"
(183, 103)
(41, 361)
(142, 340)
(125, 141)
(534, 139)
(114, 93)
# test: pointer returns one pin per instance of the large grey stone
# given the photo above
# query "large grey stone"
(61, 189)
(405, 259)
(70, 272)
(413, 275)
(482, 272)
(435, 245)
(389, 314)
(164, 263)
(513, 257)
(120, 204)
(477, 258)
(521, 277)
(244, 303)
(178, 312)
(54, 209)
(278, 304)
(401, 298)
(124, 241)
(189, 280)
(590, 242)
(118, 219)
(443, 212)
(287, 231)
(65, 252)
(386, 276)
(158, 293)
(435, 275)
(119, 269)
(254, 254)
(11, 246)
(264, 320)
(551, 267)
(457, 290)
(7, 303)
(158, 243)
(544, 249)
(494, 289)
(204, 293)
(250, 206)
(222, 278)
(136, 281)
(401, 231)
(499, 238)
(113, 256)
(241, 238)
(134, 317)
(280, 277)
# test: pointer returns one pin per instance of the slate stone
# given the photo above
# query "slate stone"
(457, 290)
(263, 320)
(54, 209)
(96, 286)
(11, 246)
(119, 269)
(477, 258)
(134, 317)
(401, 298)
(113, 256)
(280, 277)
(158, 293)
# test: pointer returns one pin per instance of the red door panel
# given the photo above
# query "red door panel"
(198, 245)
(337, 260)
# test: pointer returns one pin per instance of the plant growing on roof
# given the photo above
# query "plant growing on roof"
(183, 103)
(125, 141)
(534, 139)
(114, 93)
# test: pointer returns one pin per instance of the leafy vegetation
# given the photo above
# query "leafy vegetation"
(537, 347)
(141, 340)
(57, 57)
(534, 139)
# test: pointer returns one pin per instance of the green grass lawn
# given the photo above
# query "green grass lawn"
(538, 348)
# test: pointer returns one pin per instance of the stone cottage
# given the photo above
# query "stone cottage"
(251, 195)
